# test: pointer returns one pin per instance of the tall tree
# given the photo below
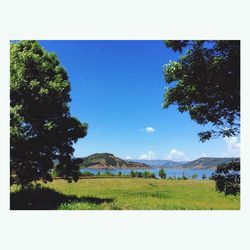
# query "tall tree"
(205, 81)
(41, 127)
(162, 173)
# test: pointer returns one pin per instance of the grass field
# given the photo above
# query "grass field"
(126, 193)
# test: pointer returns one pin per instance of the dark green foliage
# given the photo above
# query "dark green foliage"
(145, 174)
(206, 83)
(227, 178)
(132, 174)
(41, 128)
(184, 177)
(152, 175)
(108, 173)
(87, 173)
(162, 173)
(194, 176)
(139, 174)
(204, 176)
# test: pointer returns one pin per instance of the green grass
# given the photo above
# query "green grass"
(137, 194)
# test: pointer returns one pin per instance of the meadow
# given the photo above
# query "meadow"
(125, 194)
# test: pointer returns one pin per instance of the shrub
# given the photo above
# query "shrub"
(145, 174)
(139, 174)
(162, 174)
(132, 174)
(108, 173)
(194, 176)
(152, 175)
(184, 177)
(204, 176)
(87, 173)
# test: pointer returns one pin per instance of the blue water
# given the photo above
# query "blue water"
(169, 171)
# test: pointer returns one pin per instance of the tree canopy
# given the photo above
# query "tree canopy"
(227, 178)
(162, 173)
(42, 130)
(205, 81)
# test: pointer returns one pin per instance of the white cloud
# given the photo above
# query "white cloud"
(204, 155)
(176, 155)
(233, 146)
(128, 157)
(150, 155)
(149, 130)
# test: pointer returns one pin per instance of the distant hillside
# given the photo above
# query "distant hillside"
(206, 162)
(108, 161)
(161, 163)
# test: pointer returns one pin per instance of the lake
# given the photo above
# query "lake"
(169, 171)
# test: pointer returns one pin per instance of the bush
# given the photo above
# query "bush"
(227, 178)
(152, 176)
(145, 174)
(53, 172)
(162, 174)
(132, 174)
(87, 173)
(184, 177)
(204, 176)
(194, 176)
(139, 174)
(108, 173)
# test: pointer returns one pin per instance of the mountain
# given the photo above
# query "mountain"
(207, 162)
(161, 163)
(108, 161)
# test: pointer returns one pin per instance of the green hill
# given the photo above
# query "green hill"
(107, 161)
(207, 162)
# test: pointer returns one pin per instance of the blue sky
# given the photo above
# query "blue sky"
(117, 87)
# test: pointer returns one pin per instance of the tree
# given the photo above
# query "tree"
(139, 174)
(162, 173)
(146, 174)
(132, 174)
(152, 175)
(206, 83)
(227, 178)
(42, 130)
(194, 176)
(184, 176)
(204, 176)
